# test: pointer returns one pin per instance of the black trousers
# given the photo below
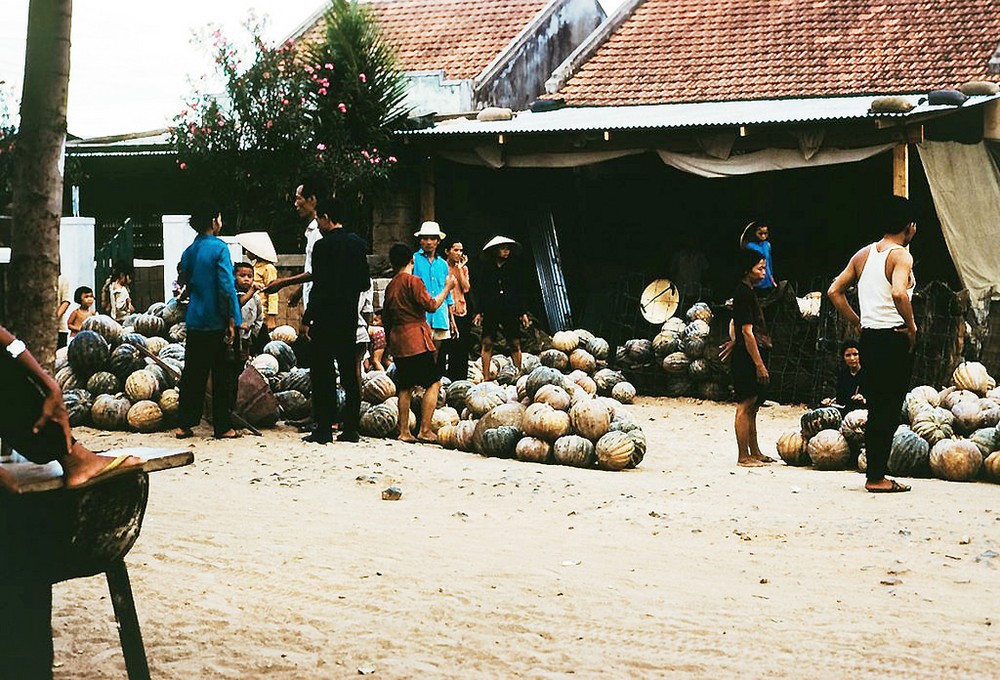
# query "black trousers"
(206, 353)
(454, 356)
(888, 362)
(23, 398)
(331, 345)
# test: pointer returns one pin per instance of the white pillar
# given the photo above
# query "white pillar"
(235, 249)
(76, 252)
(177, 235)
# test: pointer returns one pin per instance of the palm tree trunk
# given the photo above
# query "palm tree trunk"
(37, 187)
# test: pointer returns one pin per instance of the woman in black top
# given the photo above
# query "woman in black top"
(749, 359)
(850, 380)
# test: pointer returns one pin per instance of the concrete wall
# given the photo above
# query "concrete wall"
(518, 77)
(429, 92)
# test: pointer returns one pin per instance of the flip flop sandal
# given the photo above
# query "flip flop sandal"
(894, 487)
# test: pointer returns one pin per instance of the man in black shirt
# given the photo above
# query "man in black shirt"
(498, 292)
(339, 275)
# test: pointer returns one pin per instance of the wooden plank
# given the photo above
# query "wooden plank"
(33, 478)
(901, 170)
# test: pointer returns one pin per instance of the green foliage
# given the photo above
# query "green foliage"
(294, 110)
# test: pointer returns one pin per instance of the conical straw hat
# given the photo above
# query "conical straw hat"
(258, 243)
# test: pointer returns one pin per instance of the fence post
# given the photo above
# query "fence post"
(177, 235)
(76, 251)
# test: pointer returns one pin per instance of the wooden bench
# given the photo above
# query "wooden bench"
(50, 534)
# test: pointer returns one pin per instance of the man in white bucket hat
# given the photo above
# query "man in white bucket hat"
(498, 291)
(433, 270)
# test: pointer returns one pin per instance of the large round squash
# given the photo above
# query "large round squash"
(104, 326)
(676, 364)
(149, 325)
(934, 424)
(447, 436)
(828, 450)
(67, 380)
(825, 418)
(666, 342)
(987, 439)
(697, 328)
(695, 346)
(590, 419)
(639, 352)
(294, 405)
(464, 432)
(173, 351)
(501, 441)
(457, 392)
(543, 375)
(110, 412)
(967, 419)
(377, 387)
(699, 311)
(554, 358)
(574, 451)
(266, 364)
(552, 395)
(281, 351)
(950, 397)
(169, 403)
(145, 416)
(853, 426)
(598, 347)
(381, 421)
(88, 353)
(957, 460)
(297, 379)
(991, 466)
(623, 392)
(565, 341)
(544, 422)
(927, 393)
(614, 451)
(792, 449)
(606, 379)
(285, 334)
(178, 332)
(909, 455)
(154, 345)
(504, 414)
(484, 397)
(582, 360)
(989, 413)
(444, 416)
(973, 376)
(533, 450)
(142, 386)
(103, 382)
(125, 360)
(172, 313)
(78, 404)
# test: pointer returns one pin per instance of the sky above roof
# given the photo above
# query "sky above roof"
(133, 62)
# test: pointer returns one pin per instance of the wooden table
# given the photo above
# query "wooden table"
(50, 534)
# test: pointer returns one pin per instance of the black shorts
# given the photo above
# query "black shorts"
(744, 373)
(510, 324)
(420, 369)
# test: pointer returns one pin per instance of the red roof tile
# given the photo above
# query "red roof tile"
(713, 50)
(459, 37)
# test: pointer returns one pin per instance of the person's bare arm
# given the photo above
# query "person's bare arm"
(53, 408)
(750, 342)
(63, 306)
(463, 279)
(901, 265)
(837, 293)
(278, 284)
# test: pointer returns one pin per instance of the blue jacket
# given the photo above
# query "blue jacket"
(434, 275)
(208, 271)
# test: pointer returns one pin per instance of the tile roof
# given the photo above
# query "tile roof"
(716, 50)
(460, 37)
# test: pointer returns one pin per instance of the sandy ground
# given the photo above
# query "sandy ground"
(272, 558)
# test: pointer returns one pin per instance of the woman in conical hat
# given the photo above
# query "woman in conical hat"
(500, 300)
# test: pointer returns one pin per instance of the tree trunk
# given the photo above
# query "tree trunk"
(33, 275)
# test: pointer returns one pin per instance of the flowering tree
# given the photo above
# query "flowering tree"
(291, 110)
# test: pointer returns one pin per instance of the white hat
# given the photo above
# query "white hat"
(501, 241)
(429, 229)
(258, 243)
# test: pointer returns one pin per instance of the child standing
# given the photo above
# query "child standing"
(253, 312)
(84, 297)
(376, 347)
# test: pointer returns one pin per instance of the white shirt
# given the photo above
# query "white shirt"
(878, 311)
(365, 305)
(64, 297)
(312, 235)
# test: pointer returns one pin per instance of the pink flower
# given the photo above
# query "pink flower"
(392, 159)
(343, 107)
(222, 123)
(321, 146)
(362, 77)
(269, 124)
(184, 166)
(322, 90)
(308, 69)
(328, 66)
(364, 152)
(284, 102)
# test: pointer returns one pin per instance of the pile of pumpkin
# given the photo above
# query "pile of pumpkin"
(110, 383)
(537, 414)
(683, 350)
(950, 434)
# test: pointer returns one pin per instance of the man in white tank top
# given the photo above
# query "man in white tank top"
(883, 272)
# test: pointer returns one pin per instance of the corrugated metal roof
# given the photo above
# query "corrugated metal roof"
(701, 114)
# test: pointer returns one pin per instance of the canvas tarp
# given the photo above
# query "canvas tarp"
(965, 186)
(765, 160)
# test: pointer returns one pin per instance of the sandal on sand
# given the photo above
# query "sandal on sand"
(183, 433)
(235, 435)
(112, 469)
(894, 487)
